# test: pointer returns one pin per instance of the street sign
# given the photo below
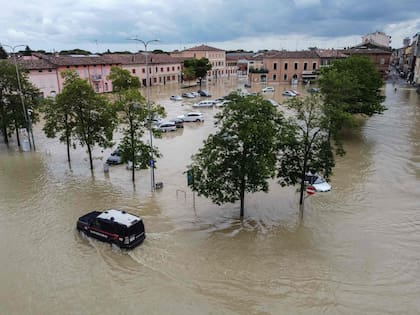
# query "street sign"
(310, 190)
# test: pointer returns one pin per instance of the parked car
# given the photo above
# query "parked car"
(204, 104)
(317, 181)
(113, 226)
(222, 103)
(273, 102)
(196, 94)
(167, 126)
(247, 85)
(204, 93)
(268, 89)
(114, 158)
(188, 95)
(175, 98)
(314, 90)
(288, 93)
(296, 92)
(179, 123)
(192, 116)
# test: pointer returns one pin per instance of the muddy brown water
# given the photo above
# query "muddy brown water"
(357, 250)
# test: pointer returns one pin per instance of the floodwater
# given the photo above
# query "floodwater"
(357, 250)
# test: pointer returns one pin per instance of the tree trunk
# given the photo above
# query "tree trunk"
(67, 138)
(90, 156)
(242, 197)
(6, 138)
(17, 137)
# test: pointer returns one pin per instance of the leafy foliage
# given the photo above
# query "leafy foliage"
(241, 156)
(308, 147)
(196, 68)
(94, 118)
(3, 53)
(12, 113)
(134, 113)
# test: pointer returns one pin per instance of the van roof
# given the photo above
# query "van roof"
(120, 217)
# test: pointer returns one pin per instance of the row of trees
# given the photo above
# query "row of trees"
(14, 101)
(254, 142)
(78, 115)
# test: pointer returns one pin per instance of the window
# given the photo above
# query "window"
(296, 65)
(305, 66)
(167, 69)
(133, 71)
(156, 69)
(285, 77)
(382, 61)
(142, 70)
(154, 80)
(161, 69)
(274, 77)
(96, 87)
(275, 66)
(285, 66)
(173, 78)
(314, 66)
(173, 68)
(106, 87)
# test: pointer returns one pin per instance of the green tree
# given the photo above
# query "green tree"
(59, 118)
(241, 156)
(308, 147)
(199, 67)
(3, 53)
(12, 113)
(350, 86)
(134, 112)
(94, 118)
(28, 51)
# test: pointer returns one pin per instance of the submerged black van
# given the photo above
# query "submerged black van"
(113, 226)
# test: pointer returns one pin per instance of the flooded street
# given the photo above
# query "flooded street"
(357, 250)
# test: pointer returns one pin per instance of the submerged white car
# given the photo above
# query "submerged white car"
(192, 116)
(318, 182)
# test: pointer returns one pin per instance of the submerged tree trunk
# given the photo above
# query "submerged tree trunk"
(67, 138)
(90, 156)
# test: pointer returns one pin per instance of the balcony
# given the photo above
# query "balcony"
(96, 77)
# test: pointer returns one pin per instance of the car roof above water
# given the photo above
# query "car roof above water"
(120, 217)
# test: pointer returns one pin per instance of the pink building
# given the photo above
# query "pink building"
(45, 71)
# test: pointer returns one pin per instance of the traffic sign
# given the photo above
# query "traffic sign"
(310, 190)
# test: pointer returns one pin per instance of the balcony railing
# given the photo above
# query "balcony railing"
(96, 77)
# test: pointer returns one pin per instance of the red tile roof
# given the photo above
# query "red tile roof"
(203, 48)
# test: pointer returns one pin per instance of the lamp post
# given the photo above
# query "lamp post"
(152, 162)
(25, 111)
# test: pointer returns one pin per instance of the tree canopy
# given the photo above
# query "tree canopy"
(241, 156)
(134, 113)
(196, 68)
(13, 105)
(94, 118)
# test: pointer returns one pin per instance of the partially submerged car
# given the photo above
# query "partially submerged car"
(318, 182)
(192, 116)
(114, 158)
(113, 226)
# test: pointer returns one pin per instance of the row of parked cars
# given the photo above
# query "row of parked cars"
(199, 93)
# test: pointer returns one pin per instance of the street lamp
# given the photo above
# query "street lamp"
(152, 162)
(25, 111)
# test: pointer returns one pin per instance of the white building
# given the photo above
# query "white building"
(379, 38)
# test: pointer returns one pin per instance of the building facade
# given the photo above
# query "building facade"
(216, 57)
(287, 67)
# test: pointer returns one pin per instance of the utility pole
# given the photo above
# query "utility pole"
(152, 162)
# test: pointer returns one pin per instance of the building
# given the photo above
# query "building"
(287, 67)
(377, 38)
(379, 55)
(163, 69)
(45, 71)
(216, 57)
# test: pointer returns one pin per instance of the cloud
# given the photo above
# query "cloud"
(66, 24)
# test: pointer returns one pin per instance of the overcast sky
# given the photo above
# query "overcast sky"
(98, 25)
